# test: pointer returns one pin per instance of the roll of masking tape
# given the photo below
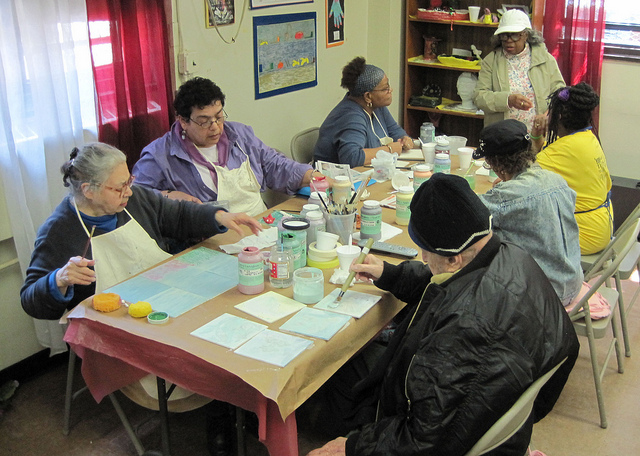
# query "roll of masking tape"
(322, 255)
(333, 264)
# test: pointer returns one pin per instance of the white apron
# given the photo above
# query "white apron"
(241, 188)
(120, 254)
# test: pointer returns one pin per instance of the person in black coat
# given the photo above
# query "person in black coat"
(483, 324)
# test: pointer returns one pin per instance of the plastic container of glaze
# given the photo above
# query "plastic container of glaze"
(158, 318)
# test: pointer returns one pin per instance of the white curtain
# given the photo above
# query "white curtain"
(46, 108)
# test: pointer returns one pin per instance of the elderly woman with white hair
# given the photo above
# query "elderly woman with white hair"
(516, 78)
(107, 230)
(361, 124)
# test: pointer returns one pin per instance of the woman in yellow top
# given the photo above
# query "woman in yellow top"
(574, 151)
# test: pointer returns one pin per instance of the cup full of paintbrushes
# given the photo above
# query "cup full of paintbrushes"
(341, 224)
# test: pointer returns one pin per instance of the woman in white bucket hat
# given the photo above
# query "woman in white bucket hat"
(518, 75)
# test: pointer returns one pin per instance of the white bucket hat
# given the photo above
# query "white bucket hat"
(513, 21)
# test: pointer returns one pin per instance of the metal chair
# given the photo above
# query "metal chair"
(630, 263)
(509, 423)
(303, 143)
(70, 395)
(600, 272)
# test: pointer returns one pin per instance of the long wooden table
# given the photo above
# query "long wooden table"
(118, 350)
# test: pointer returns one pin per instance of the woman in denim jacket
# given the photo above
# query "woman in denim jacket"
(532, 207)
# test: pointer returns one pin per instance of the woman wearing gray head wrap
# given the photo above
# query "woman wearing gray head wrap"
(361, 125)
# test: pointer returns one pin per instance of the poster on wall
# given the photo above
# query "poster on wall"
(284, 51)
(335, 22)
(266, 3)
(219, 12)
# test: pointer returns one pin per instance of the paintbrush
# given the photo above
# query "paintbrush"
(469, 170)
(86, 247)
(363, 186)
(352, 274)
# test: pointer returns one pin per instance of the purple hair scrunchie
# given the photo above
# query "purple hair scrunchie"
(564, 94)
(368, 80)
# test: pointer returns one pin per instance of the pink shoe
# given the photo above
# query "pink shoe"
(536, 453)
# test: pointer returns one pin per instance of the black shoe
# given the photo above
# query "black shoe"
(220, 429)
(220, 444)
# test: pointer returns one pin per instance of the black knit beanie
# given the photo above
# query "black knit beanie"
(446, 216)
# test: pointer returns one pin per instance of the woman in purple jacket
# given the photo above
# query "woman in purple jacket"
(206, 158)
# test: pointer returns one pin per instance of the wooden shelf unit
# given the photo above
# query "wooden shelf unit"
(452, 34)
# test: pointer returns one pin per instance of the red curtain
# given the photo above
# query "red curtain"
(131, 67)
(573, 32)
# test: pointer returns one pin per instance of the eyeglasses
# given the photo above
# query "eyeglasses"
(510, 36)
(207, 123)
(387, 89)
(122, 190)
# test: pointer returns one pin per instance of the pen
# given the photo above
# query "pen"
(352, 274)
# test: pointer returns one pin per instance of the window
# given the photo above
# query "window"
(622, 30)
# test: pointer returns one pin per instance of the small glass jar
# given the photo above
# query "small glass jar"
(250, 271)
(308, 285)
(371, 220)
(281, 267)
(403, 201)
(442, 164)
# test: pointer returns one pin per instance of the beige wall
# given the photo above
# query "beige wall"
(371, 29)
(620, 117)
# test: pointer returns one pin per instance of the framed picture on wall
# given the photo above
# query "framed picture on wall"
(284, 50)
(335, 22)
(266, 3)
(219, 12)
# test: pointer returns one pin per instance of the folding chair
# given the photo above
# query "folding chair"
(509, 423)
(303, 143)
(70, 395)
(602, 270)
(629, 263)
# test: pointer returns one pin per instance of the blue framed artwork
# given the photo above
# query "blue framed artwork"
(285, 52)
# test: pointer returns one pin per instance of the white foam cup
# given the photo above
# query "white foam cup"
(464, 155)
(429, 152)
(346, 255)
(326, 240)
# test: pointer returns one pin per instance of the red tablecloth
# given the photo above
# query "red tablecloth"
(113, 358)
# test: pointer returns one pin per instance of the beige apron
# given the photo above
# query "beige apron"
(119, 254)
(241, 188)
